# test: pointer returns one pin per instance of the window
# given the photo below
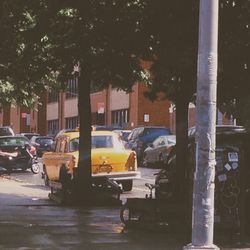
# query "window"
(102, 141)
(53, 96)
(120, 117)
(74, 145)
(72, 88)
(53, 127)
(72, 122)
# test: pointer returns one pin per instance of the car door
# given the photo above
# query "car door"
(54, 161)
(155, 150)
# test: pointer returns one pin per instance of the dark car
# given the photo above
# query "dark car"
(16, 152)
(232, 173)
(29, 135)
(6, 130)
(140, 137)
(42, 144)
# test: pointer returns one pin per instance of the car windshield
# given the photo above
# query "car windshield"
(5, 131)
(99, 141)
(150, 134)
(9, 141)
(102, 141)
(29, 136)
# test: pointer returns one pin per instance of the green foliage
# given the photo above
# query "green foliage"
(234, 60)
(41, 37)
(170, 38)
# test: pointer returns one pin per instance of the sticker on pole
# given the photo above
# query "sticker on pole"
(222, 178)
(233, 156)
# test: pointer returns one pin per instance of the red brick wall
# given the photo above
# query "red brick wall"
(133, 106)
(158, 110)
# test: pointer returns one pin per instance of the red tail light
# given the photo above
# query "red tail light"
(32, 150)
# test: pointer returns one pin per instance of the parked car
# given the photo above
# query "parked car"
(232, 175)
(140, 137)
(29, 135)
(156, 153)
(109, 159)
(6, 130)
(63, 131)
(123, 134)
(42, 144)
(16, 152)
(106, 127)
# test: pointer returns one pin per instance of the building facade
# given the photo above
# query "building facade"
(108, 107)
(59, 110)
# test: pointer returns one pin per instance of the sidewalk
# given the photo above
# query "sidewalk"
(29, 220)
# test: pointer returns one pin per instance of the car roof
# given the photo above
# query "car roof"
(14, 136)
(29, 134)
(42, 136)
(223, 130)
(98, 132)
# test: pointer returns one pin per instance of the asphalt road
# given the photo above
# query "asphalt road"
(139, 188)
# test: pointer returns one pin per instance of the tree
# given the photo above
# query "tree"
(171, 32)
(23, 74)
(100, 36)
(234, 59)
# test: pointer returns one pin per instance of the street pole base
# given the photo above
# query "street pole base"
(191, 247)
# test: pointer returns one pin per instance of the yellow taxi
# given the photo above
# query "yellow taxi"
(108, 156)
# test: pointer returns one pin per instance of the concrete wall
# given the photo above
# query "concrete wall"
(119, 99)
(52, 111)
(70, 108)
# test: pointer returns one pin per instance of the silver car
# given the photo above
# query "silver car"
(155, 155)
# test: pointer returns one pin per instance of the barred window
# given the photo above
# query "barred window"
(72, 122)
(120, 117)
(53, 96)
(53, 127)
(72, 88)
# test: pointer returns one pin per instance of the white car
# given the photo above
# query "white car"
(156, 153)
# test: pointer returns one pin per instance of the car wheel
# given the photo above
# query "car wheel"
(127, 185)
(65, 180)
(35, 168)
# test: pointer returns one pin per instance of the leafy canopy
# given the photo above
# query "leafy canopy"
(43, 40)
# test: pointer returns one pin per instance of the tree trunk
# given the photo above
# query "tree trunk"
(182, 103)
(82, 175)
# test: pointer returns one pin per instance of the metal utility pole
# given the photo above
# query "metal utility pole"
(203, 193)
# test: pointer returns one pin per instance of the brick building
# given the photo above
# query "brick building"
(108, 107)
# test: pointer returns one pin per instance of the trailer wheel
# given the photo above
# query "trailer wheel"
(127, 185)
(65, 180)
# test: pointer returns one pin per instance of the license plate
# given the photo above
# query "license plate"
(105, 168)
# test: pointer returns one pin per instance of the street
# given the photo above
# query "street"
(139, 188)
(39, 223)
